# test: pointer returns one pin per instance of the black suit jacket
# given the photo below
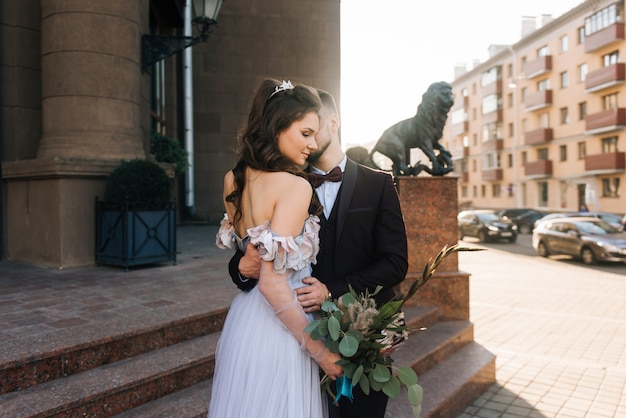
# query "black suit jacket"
(370, 244)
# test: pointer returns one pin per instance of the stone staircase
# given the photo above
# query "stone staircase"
(165, 370)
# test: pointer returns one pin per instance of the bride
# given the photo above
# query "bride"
(266, 365)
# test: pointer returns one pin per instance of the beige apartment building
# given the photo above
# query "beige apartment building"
(540, 124)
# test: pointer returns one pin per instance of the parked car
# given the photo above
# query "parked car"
(611, 218)
(590, 239)
(524, 218)
(486, 225)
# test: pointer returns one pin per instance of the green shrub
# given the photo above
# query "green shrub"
(169, 150)
(144, 184)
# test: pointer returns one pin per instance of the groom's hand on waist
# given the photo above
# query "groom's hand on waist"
(250, 263)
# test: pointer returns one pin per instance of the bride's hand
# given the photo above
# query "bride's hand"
(330, 368)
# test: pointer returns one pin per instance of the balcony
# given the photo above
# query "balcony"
(610, 161)
(460, 128)
(538, 169)
(605, 77)
(604, 37)
(493, 88)
(538, 100)
(464, 177)
(494, 174)
(537, 67)
(538, 136)
(463, 103)
(493, 145)
(605, 121)
(491, 117)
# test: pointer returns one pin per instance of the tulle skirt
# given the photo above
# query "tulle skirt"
(261, 371)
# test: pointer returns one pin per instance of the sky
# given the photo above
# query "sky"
(392, 50)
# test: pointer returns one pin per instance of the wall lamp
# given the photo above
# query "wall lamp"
(154, 48)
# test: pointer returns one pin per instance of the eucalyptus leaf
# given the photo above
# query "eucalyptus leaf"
(417, 411)
(349, 370)
(391, 388)
(364, 383)
(356, 376)
(375, 385)
(348, 346)
(416, 393)
(348, 299)
(312, 325)
(334, 328)
(407, 375)
(323, 327)
(329, 306)
(381, 373)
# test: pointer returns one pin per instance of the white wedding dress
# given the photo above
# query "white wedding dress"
(261, 370)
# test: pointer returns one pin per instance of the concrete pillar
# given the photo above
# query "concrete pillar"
(90, 79)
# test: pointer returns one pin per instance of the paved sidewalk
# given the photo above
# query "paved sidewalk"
(559, 336)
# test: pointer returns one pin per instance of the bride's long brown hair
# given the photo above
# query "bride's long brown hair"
(271, 113)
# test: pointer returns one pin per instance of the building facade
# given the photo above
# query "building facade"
(540, 124)
(76, 100)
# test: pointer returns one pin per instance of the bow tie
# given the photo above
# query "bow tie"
(317, 179)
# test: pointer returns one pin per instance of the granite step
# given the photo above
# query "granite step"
(450, 385)
(31, 361)
(119, 386)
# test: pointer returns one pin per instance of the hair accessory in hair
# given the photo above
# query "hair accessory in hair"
(286, 85)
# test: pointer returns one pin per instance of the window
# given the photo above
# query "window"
(609, 145)
(464, 191)
(474, 191)
(564, 80)
(458, 116)
(495, 190)
(542, 188)
(610, 59)
(523, 95)
(483, 191)
(524, 157)
(609, 101)
(490, 76)
(510, 100)
(542, 154)
(491, 103)
(582, 72)
(475, 139)
(473, 88)
(510, 160)
(602, 19)
(610, 187)
(564, 116)
(582, 151)
(564, 43)
(582, 110)
(492, 131)
(511, 130)
(544, 120)
(524, 125)
(509, 70)
(543, 51)
(581, 35)
(474, 114)
(563, 153)
(474, 165)
(543, 85)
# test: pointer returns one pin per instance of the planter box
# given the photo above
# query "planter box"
(127, 237)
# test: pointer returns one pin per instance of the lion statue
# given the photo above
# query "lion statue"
(423, 131)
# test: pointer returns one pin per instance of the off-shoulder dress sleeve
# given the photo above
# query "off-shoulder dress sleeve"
(287, 252)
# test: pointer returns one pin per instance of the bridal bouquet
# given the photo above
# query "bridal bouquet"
(365, 336)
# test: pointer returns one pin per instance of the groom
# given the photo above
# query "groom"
(362, 242)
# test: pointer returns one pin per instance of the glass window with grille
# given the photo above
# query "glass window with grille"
(510, 160)
(544, 120)
(564, 115)
(564, 79)
(582, 150)
(583, 69)
(610, 59)
(524, 157)
(490, 76)
(495, 190)
(542, 154)
(543, 51)
(581, 35)
(483, 191)
(610, 187)
(492, 131)
(603, 18)
(609, 101)
(609, 145)
(474, 191)
(511, 129)
(563, 153)
(464, 191)
(543, 85)
(582, 110)
(491, 103)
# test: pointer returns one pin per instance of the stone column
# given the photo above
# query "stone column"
(430, 208)
(90, 79)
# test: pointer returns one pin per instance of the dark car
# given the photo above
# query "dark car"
(486, 225)
(587, 238)
(523, 218)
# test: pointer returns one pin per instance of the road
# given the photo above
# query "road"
(557, 327)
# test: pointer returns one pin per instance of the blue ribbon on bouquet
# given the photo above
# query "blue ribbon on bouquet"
(344, 388)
